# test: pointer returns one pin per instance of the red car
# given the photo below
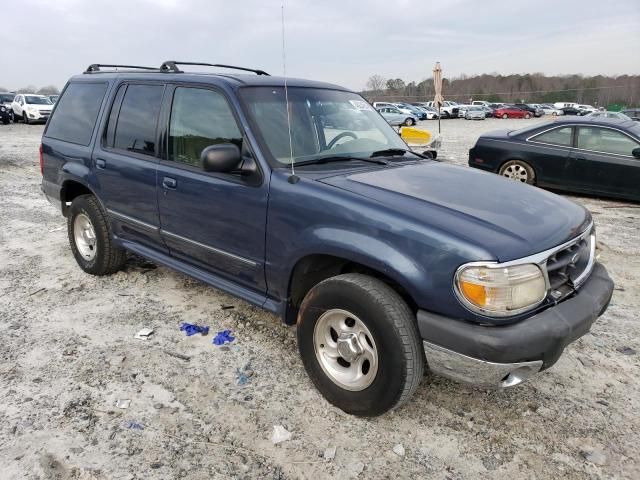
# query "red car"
(511, 112)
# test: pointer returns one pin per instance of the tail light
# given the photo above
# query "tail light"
(41, 161)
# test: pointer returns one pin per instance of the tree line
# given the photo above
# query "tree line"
(597, 90)
(47, 90)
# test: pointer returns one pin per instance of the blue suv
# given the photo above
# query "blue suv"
(386, 261)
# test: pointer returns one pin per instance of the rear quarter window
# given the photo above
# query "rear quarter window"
(75, 114)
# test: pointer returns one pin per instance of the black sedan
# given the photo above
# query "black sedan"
(597, 156)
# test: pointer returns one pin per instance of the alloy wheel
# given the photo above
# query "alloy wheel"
(516, 171)
(84, 236)
(345, 350)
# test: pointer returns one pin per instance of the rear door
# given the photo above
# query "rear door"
(214, 221)
(602, 161)
(126, 159)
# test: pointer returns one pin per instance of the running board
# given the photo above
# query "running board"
(255, 298)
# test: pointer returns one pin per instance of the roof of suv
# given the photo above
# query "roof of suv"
(231, 79)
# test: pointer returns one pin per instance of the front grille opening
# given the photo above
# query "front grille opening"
(566, 266)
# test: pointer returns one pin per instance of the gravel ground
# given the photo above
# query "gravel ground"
(68, 354)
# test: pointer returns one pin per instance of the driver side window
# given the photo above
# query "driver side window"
(199, 118)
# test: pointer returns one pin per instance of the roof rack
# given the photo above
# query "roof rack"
(96, 67)
(172, 66)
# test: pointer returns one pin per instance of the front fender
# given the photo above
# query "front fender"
(374, 253)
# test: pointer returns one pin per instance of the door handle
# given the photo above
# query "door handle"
(100, 163)
(170, 183)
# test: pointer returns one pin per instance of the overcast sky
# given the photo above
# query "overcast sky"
(342, 41)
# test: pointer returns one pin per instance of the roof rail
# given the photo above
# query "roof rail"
(96, 67)
(172, 66)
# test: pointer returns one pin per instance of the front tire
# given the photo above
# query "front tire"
(25, 118)
(90, 238)
(527, 116)
(518, 170)
(409, 122)
(360, 345)
(505, 116)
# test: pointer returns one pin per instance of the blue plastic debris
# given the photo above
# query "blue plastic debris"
(223, 337)
(135, 425)
(192, 329)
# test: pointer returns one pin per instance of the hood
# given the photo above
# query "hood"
(39, 107)
(508, 219)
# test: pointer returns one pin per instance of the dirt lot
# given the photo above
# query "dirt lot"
(68, 353)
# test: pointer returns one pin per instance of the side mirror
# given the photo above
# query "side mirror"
(636, 152)
(221, 158)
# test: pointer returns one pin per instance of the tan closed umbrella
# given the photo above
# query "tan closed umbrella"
(438, 100)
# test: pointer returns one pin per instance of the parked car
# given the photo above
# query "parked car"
(380, 256)
(430, 112)
(395, 117)
(511, 112)
(535, 111)
(605, 114)
(488, 111)
(551, 110)
(53, 98)
(449, 109)
(562, 105)
(5, 115)
(31, 107)
(591, 155)
(570, 111)
(462, 110)
(420, 114)
(6, 98)
(475, 113)
(585, 109)
(481, 103)
(633, 113)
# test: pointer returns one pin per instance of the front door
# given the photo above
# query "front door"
(214, 221)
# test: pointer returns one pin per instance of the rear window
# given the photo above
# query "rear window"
(135, 129)
(76, 112)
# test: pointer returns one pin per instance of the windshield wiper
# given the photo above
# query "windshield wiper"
(391, 152)
(337, 158)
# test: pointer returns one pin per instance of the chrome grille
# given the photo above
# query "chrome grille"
(569, 267)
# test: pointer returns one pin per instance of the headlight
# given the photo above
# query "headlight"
(2, 109)
(498, 291)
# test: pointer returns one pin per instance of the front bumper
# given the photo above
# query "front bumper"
(502, 356)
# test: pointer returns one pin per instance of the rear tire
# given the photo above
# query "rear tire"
(505, 116)
(409, 122)
(527, 116)
(518, 170)
(353, 313)
(90, 238)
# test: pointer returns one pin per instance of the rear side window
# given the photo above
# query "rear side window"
(199, 118)
(75, 114)
(557, 136)
(135, 129)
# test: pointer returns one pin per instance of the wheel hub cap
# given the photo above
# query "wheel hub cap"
(84, 236)
(345, 349)
(349, 347)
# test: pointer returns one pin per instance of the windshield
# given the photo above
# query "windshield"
(33, 100)
(6, 98)
(324, 123)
